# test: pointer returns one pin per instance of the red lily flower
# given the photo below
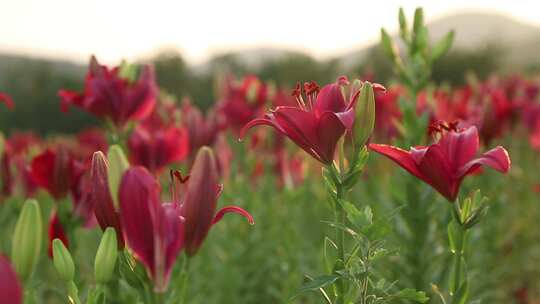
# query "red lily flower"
(6, 99)
(243, 102)
(89, 141)
(387, 112)
(56, 171)
(102, 201)
(444, 165)
(315, 125)
(107, 94)
(10, 287)
(157, 148)
(200, 201)
(56, 231)
(202, 130)
(153, 231)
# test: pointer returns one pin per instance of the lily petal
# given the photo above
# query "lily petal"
(496, 158)
(10, 287)
(399, 156)
(232, 209)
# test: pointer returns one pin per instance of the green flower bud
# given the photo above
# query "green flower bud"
(2, 143)
(63, 261)
(365, 115)
(106, 257)
(27, 239)
(118, 164)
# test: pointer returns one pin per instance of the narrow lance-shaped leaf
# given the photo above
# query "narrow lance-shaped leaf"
(442, 46)
(403, 30)
(388, 46)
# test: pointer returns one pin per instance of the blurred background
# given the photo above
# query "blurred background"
(45, 45)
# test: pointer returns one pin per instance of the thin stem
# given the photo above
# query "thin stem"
(340, 242)
(184, 281)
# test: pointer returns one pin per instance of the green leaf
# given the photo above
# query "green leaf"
(442, 46)
(462, 294)
(319, 282)
(418, 22)
(413, 295)
(361, 219)
(388, 46)
(403, 30)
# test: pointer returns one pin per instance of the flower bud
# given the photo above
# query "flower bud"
(365, 115)
(26, 243)
(106, 257)
(63, 263)
(118, 164)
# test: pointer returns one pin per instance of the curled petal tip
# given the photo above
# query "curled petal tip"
(233, 209)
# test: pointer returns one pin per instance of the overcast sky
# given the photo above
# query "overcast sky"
(116, 29)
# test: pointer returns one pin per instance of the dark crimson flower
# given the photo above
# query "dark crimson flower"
(315, 124)
(89, 141)
(243, 101)
(290, 169)
(202, 130)
(56, 171)
(102, 201)
(10, 287)
(443, 165)
(6, 99)
(388, 113)
(200, 201)
(156, 148)
(56, 231)
(108, 95)
(152, 230)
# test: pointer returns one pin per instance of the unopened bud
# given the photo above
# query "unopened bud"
(106, 257)
(63, 263)
(27, 239)
(365, 115)
(118, 164)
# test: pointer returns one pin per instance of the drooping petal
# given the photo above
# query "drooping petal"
(496, 158)
(399, 156)
(10, 287)
(200, 200)
(232, 209)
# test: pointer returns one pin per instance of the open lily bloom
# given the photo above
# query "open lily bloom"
(153, 231)
(10, 287)
(107, 94)
(200, 201)
(445, 164)
(316, 124)
(155, 148)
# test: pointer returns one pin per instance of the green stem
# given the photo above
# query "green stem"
(340, 239)
(73, 293)
(184, 281)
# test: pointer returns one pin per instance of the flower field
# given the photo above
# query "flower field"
(354, 190)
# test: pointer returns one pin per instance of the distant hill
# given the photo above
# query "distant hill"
(520, 41)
